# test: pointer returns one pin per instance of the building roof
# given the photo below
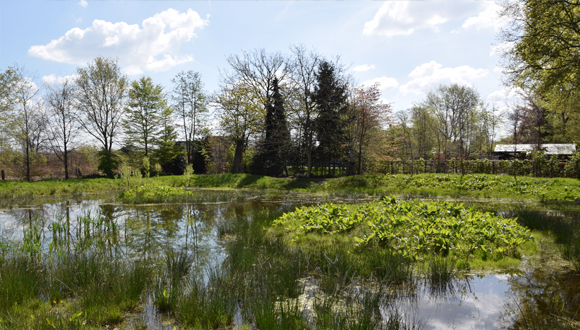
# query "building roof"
(549, 149)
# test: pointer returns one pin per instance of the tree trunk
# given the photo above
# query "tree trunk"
(359, 158)
(65, 163)
(309, 160)
(27, 160)
(238, 156)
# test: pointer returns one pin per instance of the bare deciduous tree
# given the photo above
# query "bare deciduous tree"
(303, 81)
(63, 116)
(190, 104)
(455, 108)
(370, 117)
(28, 122)
(257, 70)
(102, 94)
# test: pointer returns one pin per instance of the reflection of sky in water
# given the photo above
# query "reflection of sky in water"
(476, 304)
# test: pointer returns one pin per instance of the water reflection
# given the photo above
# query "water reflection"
(543, 300)
(148, 233)
(473, 302)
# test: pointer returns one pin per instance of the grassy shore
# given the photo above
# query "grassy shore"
(425, 185)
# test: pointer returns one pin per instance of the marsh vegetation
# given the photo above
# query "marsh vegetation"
(223, 261)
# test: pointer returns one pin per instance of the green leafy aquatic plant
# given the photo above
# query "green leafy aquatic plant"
(414, 228)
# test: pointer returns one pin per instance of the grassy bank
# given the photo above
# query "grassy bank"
(427, 185)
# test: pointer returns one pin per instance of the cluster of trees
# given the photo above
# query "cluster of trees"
(273, 112)
(451, 122)
(542, 61)
(298, 110)
(101, 102)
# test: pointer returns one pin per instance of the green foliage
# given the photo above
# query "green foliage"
(413, 228)
(131, 177)
(545, 39)
(152, 193)
(108, 163)
(187, 174)
(146, 167)
(330, 97)
(167, 149)
(572, 168)
(143, 121)
(272, 152)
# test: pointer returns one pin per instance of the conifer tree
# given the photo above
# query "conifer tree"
(272, 152)
(330, 98)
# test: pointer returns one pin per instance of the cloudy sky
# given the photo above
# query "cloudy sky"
(410, 47)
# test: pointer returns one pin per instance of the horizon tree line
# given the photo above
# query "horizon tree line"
(274, 112)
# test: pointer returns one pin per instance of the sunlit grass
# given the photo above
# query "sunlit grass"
(419, 185)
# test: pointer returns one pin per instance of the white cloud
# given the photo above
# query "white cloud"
(429, 75)
(51, 79)
(154, 47)
(385, 83)
(488, 18)
(507, 94)
(501, 48)
(83, 3)
(404, 17)
(364, 67)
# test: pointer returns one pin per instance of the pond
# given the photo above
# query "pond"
(207, 237)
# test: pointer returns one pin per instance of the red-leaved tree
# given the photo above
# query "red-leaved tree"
(370, 118)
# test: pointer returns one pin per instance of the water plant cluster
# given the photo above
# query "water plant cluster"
(413, 229)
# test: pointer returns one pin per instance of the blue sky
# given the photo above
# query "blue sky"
(409, 46)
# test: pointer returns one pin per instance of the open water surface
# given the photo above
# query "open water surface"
(493, 301)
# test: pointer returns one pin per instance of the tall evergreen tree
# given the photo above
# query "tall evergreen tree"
(330, 97)
(273, 150)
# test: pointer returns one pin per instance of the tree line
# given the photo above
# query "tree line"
(273, 113)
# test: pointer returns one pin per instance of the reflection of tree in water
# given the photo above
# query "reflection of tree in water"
(26, 216)
(152, 232)
(144, 235)
(197, 237)
(543, 301)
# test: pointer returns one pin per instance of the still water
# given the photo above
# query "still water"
(491, 301)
